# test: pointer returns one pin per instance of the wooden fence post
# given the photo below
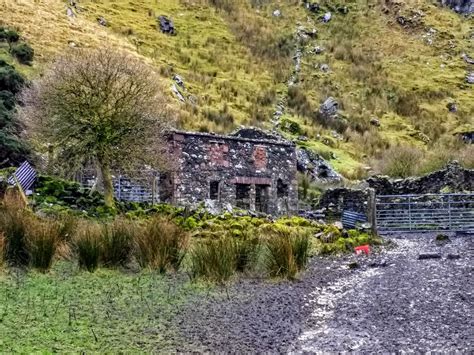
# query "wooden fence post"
(372, 211)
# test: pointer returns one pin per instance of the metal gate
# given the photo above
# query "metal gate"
(425, 213)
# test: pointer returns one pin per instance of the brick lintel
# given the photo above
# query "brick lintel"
(251, 180)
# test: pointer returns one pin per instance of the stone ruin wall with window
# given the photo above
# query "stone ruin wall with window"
(250, 170)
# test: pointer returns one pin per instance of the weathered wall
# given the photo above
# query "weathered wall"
(201, 158)
(453, 178)
(335, 201)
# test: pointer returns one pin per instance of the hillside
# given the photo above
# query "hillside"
(393, 66)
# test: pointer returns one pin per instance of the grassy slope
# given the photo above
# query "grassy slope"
(378, 68)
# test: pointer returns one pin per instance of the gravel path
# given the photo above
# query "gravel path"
(392, 302)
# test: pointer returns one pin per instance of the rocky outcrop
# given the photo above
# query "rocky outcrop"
(316, 167)
(460, 6)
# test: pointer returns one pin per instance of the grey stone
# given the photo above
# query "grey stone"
(318, 50)
(178, 94)
(425, 256)
(470, 78)
(166, 25)
(179, 80)
(70, 13)
(379, 263)
(324, 68)
(102, 21)
(329, 107)
(467, 58)
(375, 122)
(327, 17)
(452, 107)
(277, 13)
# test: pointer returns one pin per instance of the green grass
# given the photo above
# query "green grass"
(68, 310)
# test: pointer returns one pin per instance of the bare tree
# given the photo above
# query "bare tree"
(99, 106)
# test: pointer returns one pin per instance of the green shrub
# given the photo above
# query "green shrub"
(23, 52)
(88, 245)
(14, 227)
(8, 34)
(10, 79)
(42, 241)
(290, 126)
(214, 259)
(117, 242)
(400, 161)
(298, 101)
(162, 245)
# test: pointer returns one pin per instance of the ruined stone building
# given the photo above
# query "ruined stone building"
(250, 169)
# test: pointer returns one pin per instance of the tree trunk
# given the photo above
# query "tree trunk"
(108, 184)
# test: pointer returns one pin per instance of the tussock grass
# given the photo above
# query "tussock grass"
(88, 245)
(14, 221)
(117, 242)
(287, 252)
(162, 245)
(42, 241)
(214, 259)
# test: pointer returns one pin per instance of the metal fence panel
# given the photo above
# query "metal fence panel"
(140, 188)
(423, 213)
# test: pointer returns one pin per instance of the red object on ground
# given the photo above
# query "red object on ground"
(362, 249)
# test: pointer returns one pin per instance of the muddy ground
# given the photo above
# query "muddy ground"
(392, 301)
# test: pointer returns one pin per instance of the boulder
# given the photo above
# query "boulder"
(375, 122)
(329, 108)
(452, 107)
(327, 17)
(277, 13)
(166, 25)
(324, 68)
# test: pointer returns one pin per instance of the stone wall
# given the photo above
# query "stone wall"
(453, 178)
(335, 201)
(258, 174)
